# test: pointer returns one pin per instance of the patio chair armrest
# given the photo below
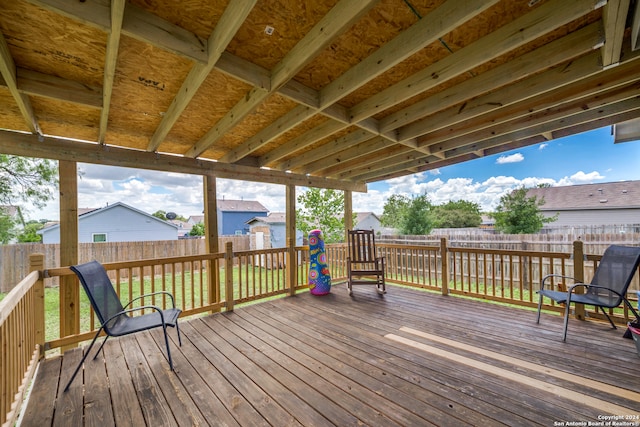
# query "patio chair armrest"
(173, 302)
(542, 282)
(587, 285)
(131, 310)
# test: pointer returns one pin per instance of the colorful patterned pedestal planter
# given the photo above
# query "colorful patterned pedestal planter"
(319, 277)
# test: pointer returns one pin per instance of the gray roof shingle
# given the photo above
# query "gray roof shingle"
(623, 194)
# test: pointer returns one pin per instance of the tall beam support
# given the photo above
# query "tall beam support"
(69, 290)
(348, 213)
(292, 262)
(211, 236)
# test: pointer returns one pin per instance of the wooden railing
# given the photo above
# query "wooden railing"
(508, 276)
(214, 282)
(21, 340)
(200, 284)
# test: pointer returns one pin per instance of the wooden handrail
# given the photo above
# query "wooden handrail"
(21, 329)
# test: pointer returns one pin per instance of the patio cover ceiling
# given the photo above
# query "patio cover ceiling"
(327, 93)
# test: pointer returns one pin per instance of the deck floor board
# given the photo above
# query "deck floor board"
(406, 358)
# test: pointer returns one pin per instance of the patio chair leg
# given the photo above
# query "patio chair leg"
(82, 361)
(539, 308)
(100, 349)
(178, 330)
(608, 318)
(166, 341)
(566, 319)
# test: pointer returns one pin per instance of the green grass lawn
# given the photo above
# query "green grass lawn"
(191, 295)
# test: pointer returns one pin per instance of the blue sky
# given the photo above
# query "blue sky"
(580, 159)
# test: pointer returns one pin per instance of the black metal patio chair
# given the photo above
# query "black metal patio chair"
(362, 262)
(608, 288)
(115, 319)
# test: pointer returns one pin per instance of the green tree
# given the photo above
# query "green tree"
(418, 219)
(29, 232)
(457, 214)
(323, 209)
(160, 214)
(519, 214)
(24, 181)
(394, 211)
(7, 227)
(197, 229)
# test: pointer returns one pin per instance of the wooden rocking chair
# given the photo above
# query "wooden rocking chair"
(362, 262)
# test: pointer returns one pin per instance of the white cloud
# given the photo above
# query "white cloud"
(543, 146)
(513, 158)
(150, 191)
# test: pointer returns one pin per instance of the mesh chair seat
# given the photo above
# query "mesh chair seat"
(608, 288)
(115, 319)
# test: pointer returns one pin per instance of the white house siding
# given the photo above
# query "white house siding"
(120, 224)
(581, 217)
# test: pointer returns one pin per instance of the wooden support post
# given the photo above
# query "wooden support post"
(290, 236)
(348, 213)
(69, 289)
(292, 267)
(228, 276)
(211, 237)
(444, 257)
(36, 263)
(578, 274)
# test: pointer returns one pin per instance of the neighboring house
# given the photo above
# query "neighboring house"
(115, 223)
(613, 203)
(368, 221)
(233, 215)
(268, 232)
(184, 227)
(195, 219)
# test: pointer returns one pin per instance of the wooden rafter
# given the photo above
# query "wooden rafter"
(111, 56)
(8, 72)
(424, 32)
(233, 17)
(519, 32)
(614, 16)
(341, 17)
(55, 148)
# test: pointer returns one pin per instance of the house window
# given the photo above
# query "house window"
(99, 237)
(238, 232)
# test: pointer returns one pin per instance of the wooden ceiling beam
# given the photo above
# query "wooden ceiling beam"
(231, 20)
(428, 29)
(585, 120)
(551, 54)
(537, 125)
(393, 163)
(9, 74)
(21, 144)
(541, 20)
(330, 149)
(614, 16)
(425, 31)
(497, 43)
(343, 160)
(151, 29)
(392, 155)
(48, 86)
(111, 57)
(136, 23)
(553, 89)
(341, 17)
(95, 13)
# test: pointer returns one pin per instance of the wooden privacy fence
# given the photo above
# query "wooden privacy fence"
(14, 264)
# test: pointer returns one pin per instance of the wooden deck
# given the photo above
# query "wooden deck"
(408, 358)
